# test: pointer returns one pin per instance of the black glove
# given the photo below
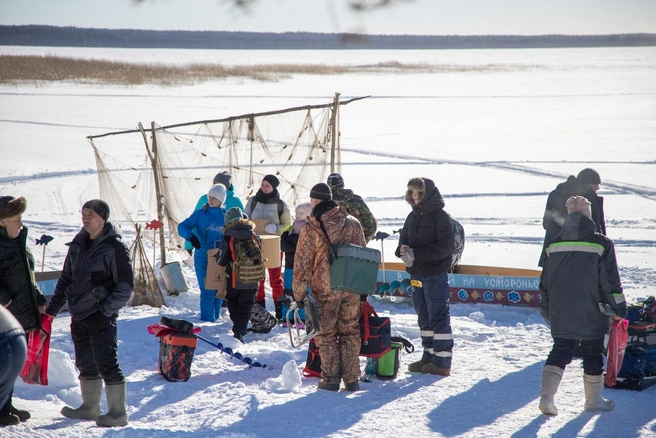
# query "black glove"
(194, 242)
(300, 304)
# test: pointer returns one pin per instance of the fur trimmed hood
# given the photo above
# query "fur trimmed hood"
(10, 206)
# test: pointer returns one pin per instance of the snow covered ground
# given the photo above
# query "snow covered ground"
(495, 142)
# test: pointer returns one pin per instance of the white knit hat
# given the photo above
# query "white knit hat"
(218, 191)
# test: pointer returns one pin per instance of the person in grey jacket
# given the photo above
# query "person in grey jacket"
(96, 281)
(581, 293)
(19, 292)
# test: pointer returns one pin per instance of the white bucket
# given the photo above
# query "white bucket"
(173, 278)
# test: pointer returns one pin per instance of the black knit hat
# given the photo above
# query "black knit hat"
(10, 206)
(589, 176)
(223, 178)
(335, 180)
(271, 179)
(99, 206)
(321, 192)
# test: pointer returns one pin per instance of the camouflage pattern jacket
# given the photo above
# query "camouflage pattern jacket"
(356, 207)
(311, 265)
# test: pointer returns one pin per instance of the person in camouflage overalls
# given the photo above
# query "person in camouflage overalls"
(339, 311)
(353, 205)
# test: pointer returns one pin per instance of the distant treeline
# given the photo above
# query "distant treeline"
(36, 35)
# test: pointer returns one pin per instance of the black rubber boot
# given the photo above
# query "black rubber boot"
(278, 305)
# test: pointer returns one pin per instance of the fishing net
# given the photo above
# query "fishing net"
(146, 289)
(298, 145)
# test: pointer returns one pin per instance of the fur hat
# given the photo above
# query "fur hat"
(321, 192)
(589, 176)
(218, 191)
(223, 178)
(99, 206)
(335, 181)
(578, 204)
(271, 179)
(415, 184)
(303, 212)
(233, 214)
(10, 206)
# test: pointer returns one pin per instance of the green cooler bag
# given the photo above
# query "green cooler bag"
(354, 269)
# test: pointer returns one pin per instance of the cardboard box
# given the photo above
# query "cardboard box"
(259, 226)
(216, 278)
(271, 250)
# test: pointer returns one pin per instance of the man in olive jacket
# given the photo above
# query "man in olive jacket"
(97, 280)
(579, 286)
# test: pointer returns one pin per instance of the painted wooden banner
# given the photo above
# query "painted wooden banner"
(471, 284)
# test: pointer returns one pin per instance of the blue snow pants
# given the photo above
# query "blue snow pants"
(210, 307)
(431, 302)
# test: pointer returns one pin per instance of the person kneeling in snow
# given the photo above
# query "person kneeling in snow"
(580, 274)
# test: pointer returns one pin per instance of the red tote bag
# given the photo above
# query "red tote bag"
(619, 336)
(35, 370)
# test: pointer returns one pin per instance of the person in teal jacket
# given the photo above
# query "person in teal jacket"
(230, 201)
(204, 229)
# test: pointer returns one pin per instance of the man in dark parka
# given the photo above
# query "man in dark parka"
(579, 279)
(585, 184)
(96, 282)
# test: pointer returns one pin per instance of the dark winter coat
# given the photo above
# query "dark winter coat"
(240, 229)
(579, 273)
(427, 230)
(17, 282)
(288, 242)
(97, 276)
(555, 212)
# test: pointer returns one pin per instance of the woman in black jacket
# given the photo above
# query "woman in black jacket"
(425, 246)
(18, 290)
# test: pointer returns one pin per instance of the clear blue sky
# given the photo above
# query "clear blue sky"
(421, 17)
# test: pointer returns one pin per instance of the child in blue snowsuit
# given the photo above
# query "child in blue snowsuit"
(204, 229)
(230, 201)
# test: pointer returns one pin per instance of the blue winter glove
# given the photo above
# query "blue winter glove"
(194, 241)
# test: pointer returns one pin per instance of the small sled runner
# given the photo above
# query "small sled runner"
(297, 335)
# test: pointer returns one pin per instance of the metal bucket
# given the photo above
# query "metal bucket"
(173, 278)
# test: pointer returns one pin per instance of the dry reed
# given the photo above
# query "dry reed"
(23, 69)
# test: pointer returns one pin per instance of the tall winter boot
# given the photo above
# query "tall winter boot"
(278, 307)
(116, 402)
(90, 409)
(551, 377)
(593, 400)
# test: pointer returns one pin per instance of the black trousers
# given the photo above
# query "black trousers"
(240, 305)
(96, 348)
(563, 351)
